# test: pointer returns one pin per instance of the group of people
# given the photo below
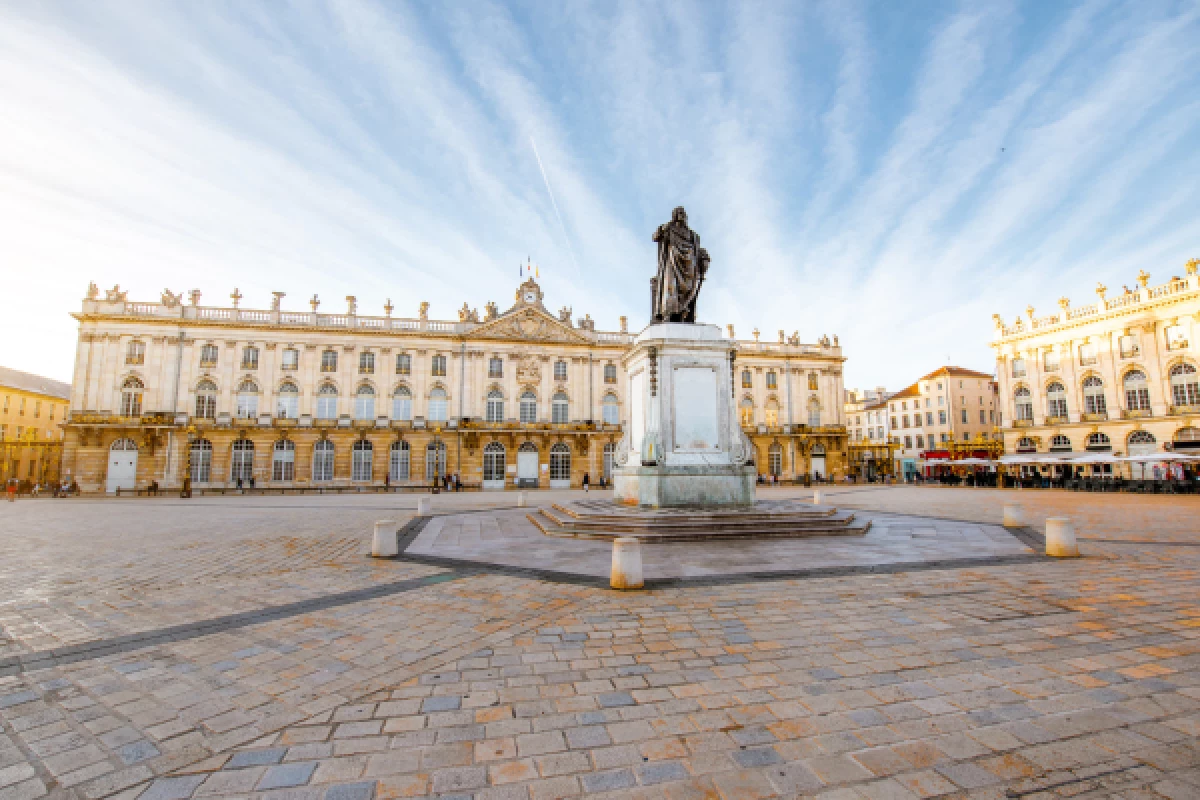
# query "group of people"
(14, 487)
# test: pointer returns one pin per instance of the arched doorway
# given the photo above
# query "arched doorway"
(560, 466)
(610, 450)
(775, 460)
(527, 466)
(398, 462)
(242, 463)
(493, 466)
(818, 462)
(122, 465)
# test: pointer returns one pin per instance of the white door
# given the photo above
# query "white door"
(122, 465)
(527, 467)
(493, 466)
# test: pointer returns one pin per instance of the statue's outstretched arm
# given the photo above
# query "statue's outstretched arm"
(658, 232)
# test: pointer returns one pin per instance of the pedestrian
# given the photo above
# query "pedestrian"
(11, 489)
(239, 483)
(251, 481)
(387, 481)
(586, 480)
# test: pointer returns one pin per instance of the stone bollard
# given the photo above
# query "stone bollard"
(1060, 538)
(423, 506)
(384, 544)
(522, 499)
(817, 497)
(626, 563)
(1013, 518)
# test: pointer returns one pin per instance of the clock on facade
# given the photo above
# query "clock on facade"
(531, 297)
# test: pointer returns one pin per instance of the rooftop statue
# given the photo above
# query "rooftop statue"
(682, 264)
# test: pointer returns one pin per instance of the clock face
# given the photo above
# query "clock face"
(531, 297)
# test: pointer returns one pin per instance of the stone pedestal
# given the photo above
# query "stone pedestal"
(626, 564)
(684, 446)
(384, 544)
(1060, 538)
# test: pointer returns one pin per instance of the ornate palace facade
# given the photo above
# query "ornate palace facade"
(521, 397)
(1119, 374)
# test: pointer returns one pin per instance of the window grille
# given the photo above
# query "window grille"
(360, 460)
(283, 461)
(322, 468)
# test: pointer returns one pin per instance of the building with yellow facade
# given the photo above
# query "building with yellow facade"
(312, 399)
(1118, 375)
(946, 414)
(32, 411)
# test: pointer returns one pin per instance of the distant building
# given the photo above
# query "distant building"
(946, 414)
(870, 447)
(32, 410)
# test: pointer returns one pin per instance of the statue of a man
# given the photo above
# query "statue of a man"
(682, 264)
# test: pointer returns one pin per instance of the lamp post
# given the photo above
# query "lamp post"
(186, 491)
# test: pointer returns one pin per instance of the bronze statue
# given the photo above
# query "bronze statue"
(682, 264)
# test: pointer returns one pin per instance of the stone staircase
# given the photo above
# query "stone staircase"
(604, 519)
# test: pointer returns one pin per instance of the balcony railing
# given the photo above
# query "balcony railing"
(1193, 409)
(1094, 416)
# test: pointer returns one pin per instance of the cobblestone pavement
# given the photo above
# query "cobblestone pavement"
(1051, 679)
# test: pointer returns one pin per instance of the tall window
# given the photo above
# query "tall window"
(398, 463)
(360, 461)
(329, 361)
(322, 468)
(610, 373)
(283, 461)
(610, 450)
(1185, 389)
(366, 363)
(1129, 346)
(1018, 368)
(242, 463)
(942, 414)
(1087, 354)
(747, 379)
(437, 405)
(964, 416)
(438, 366)
(493, 462)
(206, 400)
(135, 353)
(131, 397)
(291, 359)
(495, 407)
(560, 462)
(201, 461)
(560, 370)
(814, 415)
(611, 410)
(812, 381)
(1024, 403)
(364, 403)
(435, 459)
(559, 408)
(402, 403)
(327, 397)
(208, 355)
(1050, 361)
(287, 402)
(775, 460)
(495, 368)
(249, 358)
(1176, 337)
(1137, 391)
(772, 380)
(247, 400)
(746, 411)
(528, 407)
(1093, 396)
(404, 364)
(772, 412)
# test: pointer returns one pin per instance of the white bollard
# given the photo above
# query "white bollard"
(817, 497)
(626, 564)
(522, 499)
(1013, 517)
(385, 544)
(1060, 538)
(423, 506)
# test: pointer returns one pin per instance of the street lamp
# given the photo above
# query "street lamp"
(186, 491)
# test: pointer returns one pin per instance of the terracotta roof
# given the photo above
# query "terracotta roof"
(960, 372)
(908, 391)
(28, 382)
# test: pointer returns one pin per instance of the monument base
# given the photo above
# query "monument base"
(676, 486)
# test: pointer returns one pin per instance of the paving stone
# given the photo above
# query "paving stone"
(286, 775)
(172, 788)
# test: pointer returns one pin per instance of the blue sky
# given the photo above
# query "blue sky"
(892, 173)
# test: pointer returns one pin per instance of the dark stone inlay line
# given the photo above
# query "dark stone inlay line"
(98, 648)
(409, 533)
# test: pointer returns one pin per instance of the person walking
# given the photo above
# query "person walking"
(11, 489)
(586, 481)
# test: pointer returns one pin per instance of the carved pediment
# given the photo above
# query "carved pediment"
(528, 324)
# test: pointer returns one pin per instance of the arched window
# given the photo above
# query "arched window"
(435, 459)
(131, 397)
(135, 353)
(560, 465)
(287, 402)
(398, 463)
(1060, 444)
(610, 450)
(437, 405)
(528, 407)
(746, 411)
(247, 400)
(201, 461)
(329, 361)
(402, 403)
(366, 363)
(364, 403)
(775, 460)
(322, 467)
(560, 370)
(495, 406)
(493, 463)
(242, 463)
(611, 409)
(1093, 395)
(1099, 441)
(360, 461)
(327, 397)
(250, 357)
(812, 381)
(1056, 400)
(1024, 403)
(283, 461)
(747, 379)
(772, 412)
(610, 373)
(1185, 387)
(1137, 391)
(772, 380)
(206, 400)
(495, 367)
(1026, 445)
(559, 408)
